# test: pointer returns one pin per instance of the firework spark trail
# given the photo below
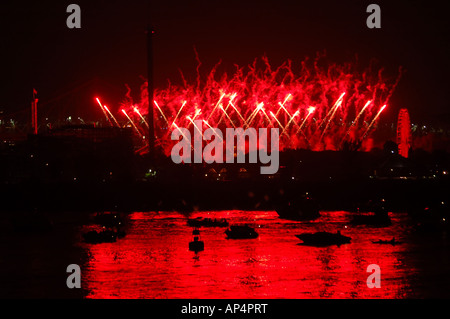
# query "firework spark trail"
(329, 121)
(282, 108)
(184, 136)
(290, 121)
(178, 114)
(361, 112)
(193, 123)
(282, 105)
(265, 114)
(253, 114)
(181, 132)
(140, 115)
(311, 110)
(165, 118)
(291, 117)
(197, 113)
(373, 121)
(112, 116)
(104, 112)
(239, 113)
(356, 120)
(228, 117)
(204, 121)
(281, 126)
(226, 109)
(217, 104)
(332, 111)
(132, 123)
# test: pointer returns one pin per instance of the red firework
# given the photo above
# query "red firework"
(315, 107)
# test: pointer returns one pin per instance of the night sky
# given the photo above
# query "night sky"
(38, 50)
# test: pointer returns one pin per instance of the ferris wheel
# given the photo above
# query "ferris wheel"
(403, 133)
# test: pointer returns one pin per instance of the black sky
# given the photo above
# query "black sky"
(38, 50)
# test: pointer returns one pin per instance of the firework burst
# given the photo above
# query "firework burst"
(315, 107)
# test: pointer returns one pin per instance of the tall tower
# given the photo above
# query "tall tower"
(151, 133)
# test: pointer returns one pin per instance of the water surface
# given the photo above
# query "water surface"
(153, 260)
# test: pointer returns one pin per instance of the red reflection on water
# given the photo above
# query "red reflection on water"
(153, 260)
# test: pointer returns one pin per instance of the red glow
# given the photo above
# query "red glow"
(342, 95)
(145, 264)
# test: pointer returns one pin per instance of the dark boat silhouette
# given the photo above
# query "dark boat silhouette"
(378, 217)
(196, 244)
(321, 239)
(387, 242)
(241, 232)
(301, 208)
(207, 222)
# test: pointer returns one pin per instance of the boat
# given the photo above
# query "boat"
(207, 222)
(241, 232)
(97, 237)
(387, 242)
(378, 216)
(321, 239)
(301, 208)
(196, 244)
